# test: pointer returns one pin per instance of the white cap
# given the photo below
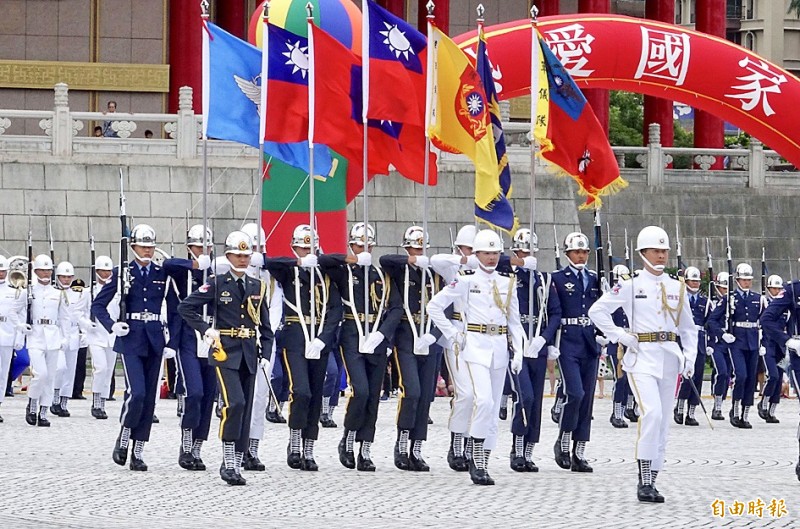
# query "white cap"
(487, 241)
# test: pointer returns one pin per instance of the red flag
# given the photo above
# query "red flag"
(287, 87)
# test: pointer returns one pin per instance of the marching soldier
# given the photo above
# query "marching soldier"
(491, 308)
(240, 337)
(413, 339)
(738, 328)
(101, 342)
(658, 309)
(771, 393)
(140, 337)
(51, 320)
(363, 339)
(13, 329)
(305, 346)
(578, 288)
(621, 389)
(700, 306)
(720, 356)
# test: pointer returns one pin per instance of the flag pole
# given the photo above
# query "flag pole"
(534, 114)
(311, 212)
(262, 166)
(426, 174)
(365, 53)
(206, 68)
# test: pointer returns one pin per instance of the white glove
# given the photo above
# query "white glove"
(459, 340)
(602, 341)
(24, 329)
(314, 349)
(169, 352)
(762, 351)
(709, 351)
(203, 262)
(529, 263)
(688, 368)
(793, 345)
(728, 338)
(309, 261)
(516, 363)
(423, 343)
(364, 259)
(257, 259)
(472, 261)
(631, 341)
(19, 342)
(422, 261)
(389, 351)
(552, 352)
(534, 346)
(64, 343)
(263, 362)
(120, 329)
(372, 341)
(211, 335)
(87, 324)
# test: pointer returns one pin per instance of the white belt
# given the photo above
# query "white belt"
(143, 316)
(583, 321)
(746, 324)
(44, 321)
(524, 318)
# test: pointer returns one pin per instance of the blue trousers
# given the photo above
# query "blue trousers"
(417, 377)
(745, 370)
(621, 387)
(141, 381)
(579, 376)
(772, 389)
(685, 392)
(530, 389)
(721, 362)
(365, 374)
(200, 385)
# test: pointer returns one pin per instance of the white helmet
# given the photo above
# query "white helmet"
(103, 262)
(301, 237)
(254, 231)
(465, 236)
(620, 270)
(238, 242)
(722, 279)
(358, 237)
(652, 237)
(525, 240)
(143, 235)
(692, 273)
(487, 241)
(42, 262)
(744, 271)
(774, 281)
(413, 238)
(65, 268)
(3, 264)
(194, 237)
(576, 241)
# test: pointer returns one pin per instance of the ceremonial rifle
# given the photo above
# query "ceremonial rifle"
(52, 251)
(710, 267)
(598, 250)
(558, 253)
(679, 250)
(123, 275)
(610, 255)
(628, 259)
(763, 273)
(92, 269)
(729, 296)
(30, 270)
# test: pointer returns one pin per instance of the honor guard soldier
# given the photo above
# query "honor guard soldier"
(738, 328)
(191, 354)
(578, 288)
(701, 310)
(491, 310)
(658, 310)
(101, 342)
(139, 336)
(51, 321)
(78, 301)
(363, 339)
(781, 324)
(622, 389)
(540, 314)
(239, 339)
(720, 356)
(774, 353)
(13, 313)
(415, 365)
(305, 340)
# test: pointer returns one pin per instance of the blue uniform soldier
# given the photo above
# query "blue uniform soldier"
(140, 336)
(721, 363)
(739, 329)
(701, 310)
(240, 338)
(622, 390)
(577, 288)
(771, 393)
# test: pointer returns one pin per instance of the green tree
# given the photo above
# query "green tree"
(625, 118)
(794, 7)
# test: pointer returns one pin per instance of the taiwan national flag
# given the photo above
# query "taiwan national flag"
(287, 86)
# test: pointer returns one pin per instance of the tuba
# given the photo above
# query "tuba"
(17, 272)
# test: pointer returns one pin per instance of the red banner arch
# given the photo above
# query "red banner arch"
(658, 59)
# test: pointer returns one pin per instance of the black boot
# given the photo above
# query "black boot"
(364, 462)
(415, 461)
(30, 413)
(743, 422)
(42, 420)
(401, 460)
(186, 460)
(252, 463)
(677, 415)
(478, 469)
(579, 463)
(762, 410)
(455, 461)
(307, 462)
(733, 415)
(517, 456)
(555, 412)
(347, 457)
(562, 457)
(645, 492)
(326, 422)
(120, 454)
(659, 496)
(137, 464)
(716, 415)
(274, 417)
(616, 422)
(630, 414)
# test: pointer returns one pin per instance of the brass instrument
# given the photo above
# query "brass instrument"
(17, 275)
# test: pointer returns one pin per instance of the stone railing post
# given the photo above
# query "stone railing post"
(61, 132)
(505, 111)
(655, 157)
(758, 166)
(187, 125)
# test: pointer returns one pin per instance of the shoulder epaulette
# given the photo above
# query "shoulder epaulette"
(76, 288)
(592, 272)
(675, 276)
(625, 277)
(466, 272)
(506, 274)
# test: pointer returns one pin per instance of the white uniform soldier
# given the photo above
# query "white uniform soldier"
(659, 313)
(491, 310)
(13, 329)
(78, 300)
(50, 319)
(101, 342)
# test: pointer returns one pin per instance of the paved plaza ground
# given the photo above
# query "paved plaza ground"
(64, 477)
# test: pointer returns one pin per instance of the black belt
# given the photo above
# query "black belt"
(661, 336)
(296, 319)
(492, 329)
(417, 318)
(242, 332)
(349, 316)
(456, 316)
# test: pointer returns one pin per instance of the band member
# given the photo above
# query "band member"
(13, 313)
(101, 342)
(657, 306)
(240, 338)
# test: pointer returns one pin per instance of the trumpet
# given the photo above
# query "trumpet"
(17, 276)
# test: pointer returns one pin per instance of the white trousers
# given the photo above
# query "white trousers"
(43, 371)
(260, 400)
(463, 397)
(656, 398)
(65, 371)
(6, 352)
(104, 360)
(487, 388)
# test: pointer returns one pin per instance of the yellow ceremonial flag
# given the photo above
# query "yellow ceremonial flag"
(459, 116)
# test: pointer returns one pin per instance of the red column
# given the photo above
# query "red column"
(232, 17)
(185, 51)
(548, 7)
(597, 98)
(442, 13)
(396, 7)
(709, 130)
(657, 110)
